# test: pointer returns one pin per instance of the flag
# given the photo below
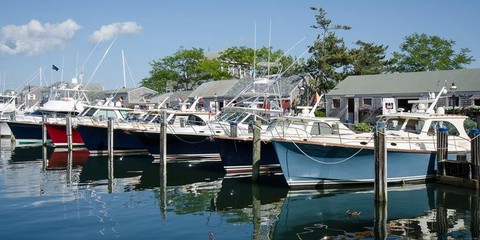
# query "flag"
(54, 67)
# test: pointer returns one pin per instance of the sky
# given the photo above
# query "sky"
(85, 39)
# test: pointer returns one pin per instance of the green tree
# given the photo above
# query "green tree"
(267, 61)
(330, 57)
(421, 52)
(368, 59)
(184, 70)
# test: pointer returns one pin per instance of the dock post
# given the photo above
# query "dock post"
(442, 150)
(68, 124)
(256, 149)
(163, 164)
(69, 166)
(163, 139)
(110, 137)
(44, 130)
(475, 153)
(380, 184)
(44, 145)
(110, 155)
(380, 227)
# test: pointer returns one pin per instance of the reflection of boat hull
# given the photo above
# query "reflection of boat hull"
(315, 215)
(95, 139)
(59, 159)
(305, 164)
(238, 192)
(58, 135)
(29, 153)
(237, 155)
(96, 167)
(26, 133)
(180, 144)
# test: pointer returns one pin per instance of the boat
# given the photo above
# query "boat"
(7, 108)
(93, 115)
(63, 100)
(333, 159)
(188, 134)
(236, 151)
(142, 136)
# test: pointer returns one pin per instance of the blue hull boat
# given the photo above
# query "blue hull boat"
(322, 165)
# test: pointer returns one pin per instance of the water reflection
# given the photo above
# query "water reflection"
(200, 191)
(412, 212)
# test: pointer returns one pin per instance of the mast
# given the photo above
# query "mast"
(123, 64)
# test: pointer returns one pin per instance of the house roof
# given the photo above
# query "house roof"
(466, 80)
(209, 89)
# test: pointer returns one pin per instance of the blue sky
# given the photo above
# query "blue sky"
(36, 34)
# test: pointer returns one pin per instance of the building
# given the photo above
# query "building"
(217, 94)
(360, 98)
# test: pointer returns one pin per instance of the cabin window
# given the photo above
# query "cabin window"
(395, 124)
(321, 128)
(195, 120)
(414, 126)
(452, 130)
(336, 103)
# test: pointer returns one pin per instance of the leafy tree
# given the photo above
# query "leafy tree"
(267, 60)
(420, 52)
(184, 70)
(330, 57)
(368, 59)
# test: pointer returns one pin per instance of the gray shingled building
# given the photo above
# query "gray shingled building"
(360, 98)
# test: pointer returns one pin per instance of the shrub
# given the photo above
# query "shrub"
(363, 127)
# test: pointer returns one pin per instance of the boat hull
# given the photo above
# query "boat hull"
(27, 133)
(180, 145)
(323, 165)
(95, 139)
(58, 135)
(237, 155)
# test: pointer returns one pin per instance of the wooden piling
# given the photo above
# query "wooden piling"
(442, 150)
(44, 130)
(110, 137)
(256, 149)
(163, 139)
(475, 153)
(380, 224)
(380, 150)
(68, 125)
(110, 155)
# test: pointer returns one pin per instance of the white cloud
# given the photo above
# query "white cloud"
(108, 32)
(34, 37)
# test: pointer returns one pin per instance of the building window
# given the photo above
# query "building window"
(367, 101)
(335, 103)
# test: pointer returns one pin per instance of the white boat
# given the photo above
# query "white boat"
(62, 100)
(324, 156)
(7, 108)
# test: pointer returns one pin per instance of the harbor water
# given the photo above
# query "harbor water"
(51, 195)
